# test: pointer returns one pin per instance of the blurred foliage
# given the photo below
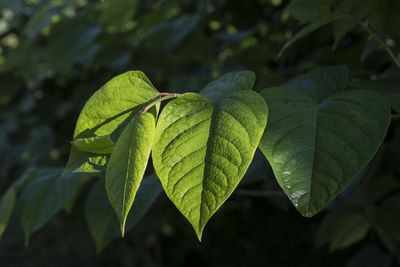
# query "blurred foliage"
(55, 53)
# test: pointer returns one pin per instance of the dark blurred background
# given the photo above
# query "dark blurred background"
(55, 54)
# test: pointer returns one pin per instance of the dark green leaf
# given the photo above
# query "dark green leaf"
(6, 208)
(387, 87)
(103, 224)
(44, 196)
(316, 148)
(309, 10)
(321, 82)
(312, 27)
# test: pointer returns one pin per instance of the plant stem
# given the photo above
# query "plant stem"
(374, 35)
(162, 97)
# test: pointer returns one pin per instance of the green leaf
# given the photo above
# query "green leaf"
(68, 39)
(349, 230)
(342, 27)
(105, 115)
(342, 228)
(103, 224)
(316, 147)
(322, 82)
(41, 18)
(312, 27)
(117, 14)
(97, 144)
(128, 163)
(81, 161)
(309, 10)
(240, 80)
(388, 216)
(6, 208)
(71, 202)
(169, 34)
(44, 196)
(203, 147)
(385, 15)
(387, 87)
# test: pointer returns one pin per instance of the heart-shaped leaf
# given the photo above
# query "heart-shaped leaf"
(103, 118)
(203, 147)
(315, 147)
(128, 162)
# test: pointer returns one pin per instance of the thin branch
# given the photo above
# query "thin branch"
(374, 35)
(259, 193)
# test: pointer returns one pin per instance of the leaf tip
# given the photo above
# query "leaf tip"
(123, 228)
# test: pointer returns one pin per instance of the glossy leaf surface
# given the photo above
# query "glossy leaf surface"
(316, 147)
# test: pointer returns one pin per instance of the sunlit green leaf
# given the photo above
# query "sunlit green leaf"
(105, 115)
(128, 163)
(204, 146)
(97, 144)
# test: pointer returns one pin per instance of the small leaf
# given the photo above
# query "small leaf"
(103, 224)
(6, 208)
(342, 227)
(105, 115)
(44, 196)
(312, 27)
(342, 27)
(128, 163)
(97, 144)
(309, 10)
(316, 147)
(204, 146)
(81, 161)
(349, 230)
